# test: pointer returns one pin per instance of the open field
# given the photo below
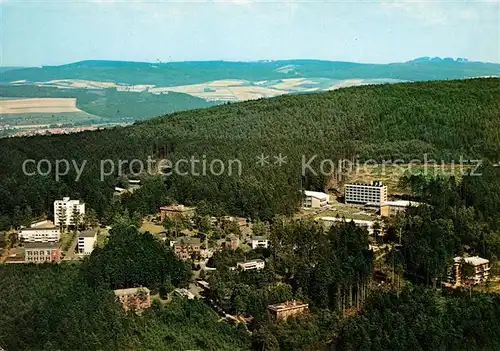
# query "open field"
(391, 174)
(38, 105)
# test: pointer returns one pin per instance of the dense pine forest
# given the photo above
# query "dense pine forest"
(70, 306)
(445, 120)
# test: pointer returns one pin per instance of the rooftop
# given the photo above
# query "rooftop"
(475, 260)
(287, 305)
(87, 234)
(259, 238)
(41, 227)
(374, 183)
(176, 208)
(41, 245)
(316, 194)
(258, 260)
(185, 240)
(130, 291)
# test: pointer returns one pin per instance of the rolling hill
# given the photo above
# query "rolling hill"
(445, 120)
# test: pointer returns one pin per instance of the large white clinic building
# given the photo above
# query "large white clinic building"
(65, 211)
(375, 193)
(40, 234)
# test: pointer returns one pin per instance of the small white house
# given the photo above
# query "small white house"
(251, 265)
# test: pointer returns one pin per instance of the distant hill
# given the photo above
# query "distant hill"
(182, 73)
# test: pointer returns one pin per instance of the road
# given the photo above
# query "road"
(70, 254)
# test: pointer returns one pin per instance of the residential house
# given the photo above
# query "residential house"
(134, 299)
(480, 270)
(173, 211)
(186, 247)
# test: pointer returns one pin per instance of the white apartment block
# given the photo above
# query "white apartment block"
(315, 199)
(251, 265)
(65, 211)
(86, 242)
(365, 193)
(40, 235)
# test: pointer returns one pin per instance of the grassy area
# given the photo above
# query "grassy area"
(66, 240)
(390, 174)
(148, 226)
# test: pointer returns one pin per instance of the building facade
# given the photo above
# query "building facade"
(287, 309)
(40, 235)
(315, 199)
(365, 193)
(87, 241)
(134, 299)
(480, 270)
(259, 241)
(173, 211)
(251, 265)
(67, 210)
(42, 252)
(329, 221)
(186, 247)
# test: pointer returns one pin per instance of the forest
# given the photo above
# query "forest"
(70, 306)
(445, 120)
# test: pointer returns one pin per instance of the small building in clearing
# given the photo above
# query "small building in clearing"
(134, 299)
(173, 211)
(315, 199)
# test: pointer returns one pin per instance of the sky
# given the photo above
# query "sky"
(35, 33)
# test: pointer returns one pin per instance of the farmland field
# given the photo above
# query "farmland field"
(38, 105)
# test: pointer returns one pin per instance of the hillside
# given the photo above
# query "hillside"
(182, 73)
(445, 120)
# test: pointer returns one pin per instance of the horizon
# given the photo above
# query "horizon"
(39, 34)
(455, 59)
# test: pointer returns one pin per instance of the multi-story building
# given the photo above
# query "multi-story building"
(287, 309)
(86, 242)
(479, 274)
(251, 265)
(186, 247)
(315, 199)
(134, 299)
(365, 193)
(259, 241)
(40, 234)
(66, 211)
(42, 252)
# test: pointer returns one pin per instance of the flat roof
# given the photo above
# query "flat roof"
(130, 291)
(475, 260)
(259, 238)
(258, 260)
(87, 234)
(287, 305)
(53, 227)
(188, 241)
(316, 194)
(41, 245)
